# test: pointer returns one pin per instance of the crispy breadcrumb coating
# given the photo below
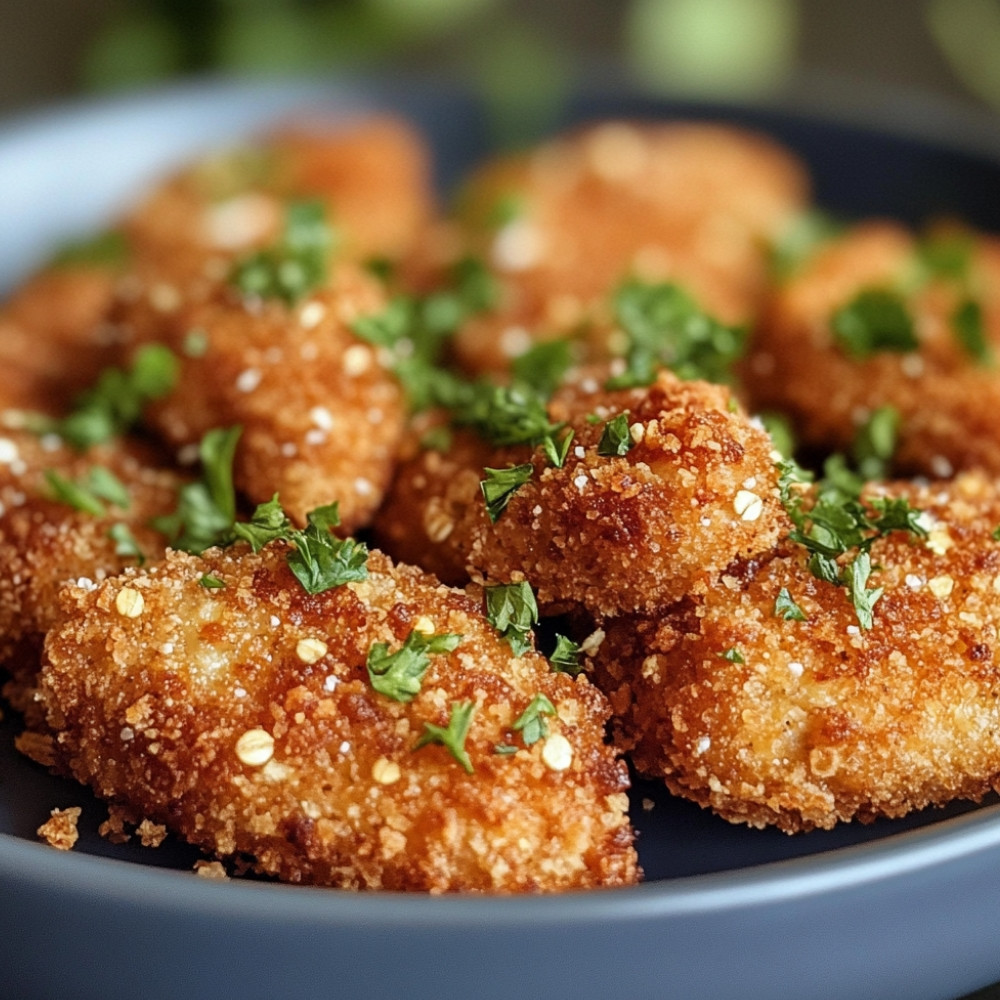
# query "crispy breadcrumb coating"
(945, 395)
(696, 490)
(563, 224)
(243, 718)
(321, 415)
(45, 542)
(804, 723)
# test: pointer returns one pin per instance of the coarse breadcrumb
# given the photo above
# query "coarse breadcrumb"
(697, 489)
(153, 711)
(804, 723)
(60, 829)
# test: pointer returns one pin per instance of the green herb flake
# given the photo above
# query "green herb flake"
(565, 658)
(543, 366)
(995, 534)
(195, 343)
(665, 327)
(945, 256)
(875, 443)
(398, 675)
(557, 448)
(531, 723)
(126, 545)
(785, 607)
(970, 331)
(875, 320)
(453, 736)
(72, 494)
(733, 655)
(861, 597)
(500, 485)
(211, 582)
(504, 749)
(512, 610)
(799, 240)
(296, 265)
(320, 561)
(616, 439)
(105, 250)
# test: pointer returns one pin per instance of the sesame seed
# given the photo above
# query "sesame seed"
(310, 650)
(255, 747)
(248, 379)
(129, 602)
(385, 771)
(637, 432)
(357, 360)
(557, 753)
(424, 625)
(748, 505)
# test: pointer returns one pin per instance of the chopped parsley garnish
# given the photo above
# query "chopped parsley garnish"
(875, 320)
(211, 582)
(116, 401)
(296, 265)
(319, 560)
(875, 443)
(565, 658)
(500, 485)
(995, 534)
(512, 610)
(531, 722)
(616, 439)
(505, 415)
(785, 607)
(733, 655)
(206, 509)
(970, 331)
(666, 328)
(73, 494)
(557, 448)
(839, 523)
(799, 240)
(125, 543)
(452, 737)
(106, 250)
(398, 675)
(779, 427)
(542, 367)
(945, 256)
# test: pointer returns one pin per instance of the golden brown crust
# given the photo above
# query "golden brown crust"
(243, 718)
(697, 490)
(945, 398)
(822, 720)
(689, 203)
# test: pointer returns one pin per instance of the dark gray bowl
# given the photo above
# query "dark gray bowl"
(908, 908)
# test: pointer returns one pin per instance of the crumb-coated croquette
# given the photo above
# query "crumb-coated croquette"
(563, 224)
(804, 723)
(243, 718)
(373, 174)
(321, 415)
(945, 389)
(46, 542)
(696, 490)
(58, 313)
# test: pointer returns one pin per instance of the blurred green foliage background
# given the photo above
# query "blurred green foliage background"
(523, 53)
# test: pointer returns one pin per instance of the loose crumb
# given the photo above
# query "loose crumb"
(151, 834)
(210, 869)
(60, 829)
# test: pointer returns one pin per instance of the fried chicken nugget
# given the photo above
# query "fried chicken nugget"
(47, 540)
(826, 327)
(241, 715)
(321, 414)
(564, 224)
(373, 174)
(694, 489)
(804, 723)
(60, 312)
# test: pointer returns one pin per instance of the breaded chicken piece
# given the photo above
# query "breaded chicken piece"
(373, 174)
(695, 490)
(944, 386)
(804, 723)
(321, 414)
(58, 314)
(561, 226)
(47, 541)
(242, 716)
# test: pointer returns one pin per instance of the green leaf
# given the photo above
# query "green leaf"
(296, 265)
(512, 610)
(875, 320)
(861, 597)
(531, 722)
(733, 655)
(785, 607)
(500, 485)
(556, 449)
(542, 367)
(875, 443)
(211, 582)
(453, 736)
(125, 543)
(105, 250)
(320, 561)
(616, 439)
(799, 240)
(73, 494)
(398, 675)
(268, 523)
(565, 658)
(970, 331)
